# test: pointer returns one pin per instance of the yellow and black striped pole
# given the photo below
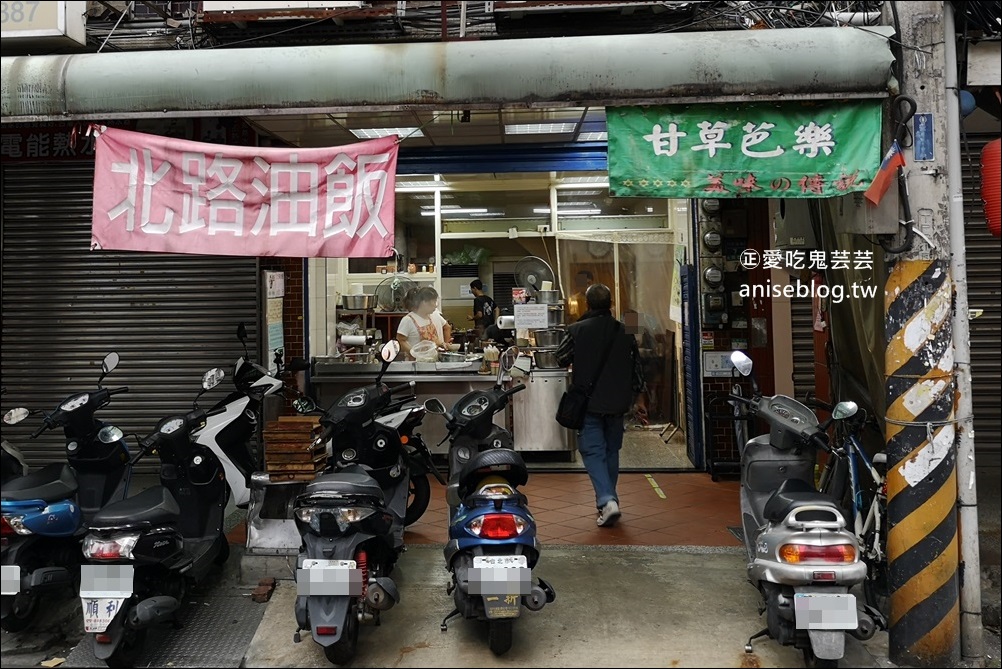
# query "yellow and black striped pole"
(922, 539)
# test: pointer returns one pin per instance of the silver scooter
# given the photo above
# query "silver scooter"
(801, 557)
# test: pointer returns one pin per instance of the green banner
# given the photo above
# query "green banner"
(789, 149)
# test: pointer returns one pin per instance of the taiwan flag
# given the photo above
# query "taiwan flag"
(886, 174)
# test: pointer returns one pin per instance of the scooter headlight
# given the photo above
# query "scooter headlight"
(115, 547)
(15, 523)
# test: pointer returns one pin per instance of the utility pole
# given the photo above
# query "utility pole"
(923, 540)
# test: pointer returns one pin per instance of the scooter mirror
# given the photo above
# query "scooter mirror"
(434, 406)
(109, 363)
(390, 350)
(15, 416)
(304, 405)
(212, 378)
(110, 434)
(242, 332)
(844, 410)
(508, 358)
(742, 363)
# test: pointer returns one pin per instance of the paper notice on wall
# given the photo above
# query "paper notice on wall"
(274, 285)
(675, 308)
(531, 316)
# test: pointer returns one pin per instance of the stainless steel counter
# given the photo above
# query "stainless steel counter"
(534, 413)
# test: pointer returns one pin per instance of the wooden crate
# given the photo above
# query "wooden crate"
(288, 451)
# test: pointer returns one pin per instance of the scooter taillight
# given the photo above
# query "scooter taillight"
(326, 630)
(802, 553)
(5, 529)
(497, 526)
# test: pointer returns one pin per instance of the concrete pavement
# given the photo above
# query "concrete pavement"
(615, 607)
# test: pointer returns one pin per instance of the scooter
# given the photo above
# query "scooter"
(492, 546)
(231, 423)
(145, 552)
(44, 512)
(801, 557)
(352, 516)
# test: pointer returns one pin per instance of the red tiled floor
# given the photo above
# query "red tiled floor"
(694, 511)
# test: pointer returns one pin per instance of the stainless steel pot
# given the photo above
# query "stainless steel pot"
(555, 316)
(548, 338)
(546, 359)
(355, 302)
(547, 296)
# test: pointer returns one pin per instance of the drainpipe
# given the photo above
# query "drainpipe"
(971, 630)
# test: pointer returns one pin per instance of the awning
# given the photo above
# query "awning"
(801, 63)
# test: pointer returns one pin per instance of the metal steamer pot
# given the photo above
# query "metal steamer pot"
(547, 296)
(548, 338)
(555, 316)
(546, 359)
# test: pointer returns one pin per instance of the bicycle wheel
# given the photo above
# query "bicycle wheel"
(877, 587)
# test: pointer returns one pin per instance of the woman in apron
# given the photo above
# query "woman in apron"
(423, 323)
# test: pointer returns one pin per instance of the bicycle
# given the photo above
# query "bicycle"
(867, 506)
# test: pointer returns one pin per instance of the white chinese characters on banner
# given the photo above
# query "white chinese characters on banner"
(811, 139)
(169, 195)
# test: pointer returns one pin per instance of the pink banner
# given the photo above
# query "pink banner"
(167, 195)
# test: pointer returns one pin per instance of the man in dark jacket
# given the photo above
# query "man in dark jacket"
(618, 382)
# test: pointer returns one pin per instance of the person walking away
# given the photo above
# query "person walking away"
(618, 383)
(423, 323)
(484, 308)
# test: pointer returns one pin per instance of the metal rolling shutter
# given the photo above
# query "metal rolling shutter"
(984, 293)
(169, 317)
(802, 328)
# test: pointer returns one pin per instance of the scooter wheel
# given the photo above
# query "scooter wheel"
(418, 496)
(128, 651)
(499, 636)
(23, 613)
(811, 661)
(342, 651)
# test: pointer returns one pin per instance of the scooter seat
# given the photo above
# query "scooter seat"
(503, 462)
(153, 505)
(51, 483)
(346, 483)
(793, 494)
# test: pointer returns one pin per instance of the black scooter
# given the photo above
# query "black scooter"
(352, 516)
(45, 512)
(145, 552)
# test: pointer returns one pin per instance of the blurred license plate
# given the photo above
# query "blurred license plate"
(506, 561)
(310, 563)
(825, 611)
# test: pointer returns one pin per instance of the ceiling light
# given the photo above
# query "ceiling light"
(455, 211)
(593, 137)
(376, 133)
(567, 212)
(539, 128)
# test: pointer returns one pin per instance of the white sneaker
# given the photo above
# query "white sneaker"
(608, 514)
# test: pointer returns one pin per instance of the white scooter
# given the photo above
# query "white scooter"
(801, 557)
(231, 423)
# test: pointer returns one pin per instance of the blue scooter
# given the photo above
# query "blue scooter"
(44, 512)
(492, 546)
